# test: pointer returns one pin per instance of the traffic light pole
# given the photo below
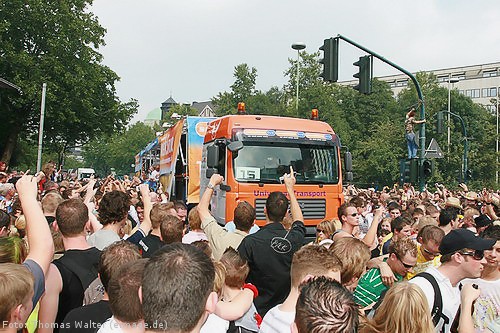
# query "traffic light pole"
(420, 98)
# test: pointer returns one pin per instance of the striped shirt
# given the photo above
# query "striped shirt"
(370, 287)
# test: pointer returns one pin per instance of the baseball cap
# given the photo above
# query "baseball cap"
(459, 239)
(482, 221)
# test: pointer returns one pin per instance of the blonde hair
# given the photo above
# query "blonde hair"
(312, 259)
(328, 227)
(16, 285)
(220, 277)
(353, 254)
(403, 304)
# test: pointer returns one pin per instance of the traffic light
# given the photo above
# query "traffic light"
(408, 171)
(427, 167)
(439, 123)
(364, 75)
(330, 59)
(468, 174)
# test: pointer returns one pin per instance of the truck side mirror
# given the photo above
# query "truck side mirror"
(212, 157)
(348, 176)
(348, 161)
(235, 146)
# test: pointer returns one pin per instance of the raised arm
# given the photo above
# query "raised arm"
(148, 205)
(371, 234)
(203, 210)
(37, 229)
(289, 179)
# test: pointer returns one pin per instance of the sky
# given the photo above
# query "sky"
(188, 49)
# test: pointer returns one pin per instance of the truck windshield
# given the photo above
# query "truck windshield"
(267, 162)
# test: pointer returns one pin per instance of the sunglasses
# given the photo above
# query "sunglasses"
(319, 230)
(430, 253)
(353, 214)
(476, 255)
(405, 265)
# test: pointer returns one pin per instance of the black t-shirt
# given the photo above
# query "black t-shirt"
(86, 319)
(149, 245)
(71, 296)
(269, 253)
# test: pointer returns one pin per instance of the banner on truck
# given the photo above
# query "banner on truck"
(169, 148)
(197, 127)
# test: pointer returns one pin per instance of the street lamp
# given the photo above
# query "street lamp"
(496, 107)
(451, 80)
(298, 46)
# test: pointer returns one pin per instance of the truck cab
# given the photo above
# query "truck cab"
(253, 152)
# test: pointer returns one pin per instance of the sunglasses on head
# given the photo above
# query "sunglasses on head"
(476, 255)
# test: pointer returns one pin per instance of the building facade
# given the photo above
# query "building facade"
(479, 82)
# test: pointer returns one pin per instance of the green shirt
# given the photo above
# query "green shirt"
(370, 287)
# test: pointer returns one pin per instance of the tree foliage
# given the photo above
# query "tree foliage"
(372, 126)
(56, 42)
(118, 151)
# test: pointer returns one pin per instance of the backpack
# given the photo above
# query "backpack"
(89, 278)
(437, 306)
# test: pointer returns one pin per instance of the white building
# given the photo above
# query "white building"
(479, 82)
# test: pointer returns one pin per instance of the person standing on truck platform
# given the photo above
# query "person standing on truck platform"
(410, 135)
(218, 237)
(270, 250)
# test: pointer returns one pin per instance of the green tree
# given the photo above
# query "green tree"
(479, 124)
(241, 90)
(119, 150)
(56, 43)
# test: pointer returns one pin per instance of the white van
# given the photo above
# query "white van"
(84, 173)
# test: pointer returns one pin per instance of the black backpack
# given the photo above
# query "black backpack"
(93, 290)
(437, 307)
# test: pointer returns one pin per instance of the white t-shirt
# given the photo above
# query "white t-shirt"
(215, 324)
(110, 326)
(277, 321)
(487, 306)
(449, 294)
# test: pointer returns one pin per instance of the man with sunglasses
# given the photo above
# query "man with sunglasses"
(462, 256)
(429, 238)
(402, 258)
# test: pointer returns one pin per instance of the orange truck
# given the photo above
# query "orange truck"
(253, 152)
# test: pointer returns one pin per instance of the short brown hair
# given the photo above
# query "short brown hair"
(50, 202)
(403, 246)
(431, 232)
(236, 268)
(194, 219)
(159, 212)
(114, 257)
(113, 207)
(71, 217)
(171, 229)
(353, 254)
(244, 216)
(123, 292)
(16, 286)
(176, 284)
(312, 259)
(342, 211)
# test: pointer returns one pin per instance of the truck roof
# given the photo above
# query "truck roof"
(224, 125)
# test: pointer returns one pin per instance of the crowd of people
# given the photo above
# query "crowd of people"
(116, 256)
